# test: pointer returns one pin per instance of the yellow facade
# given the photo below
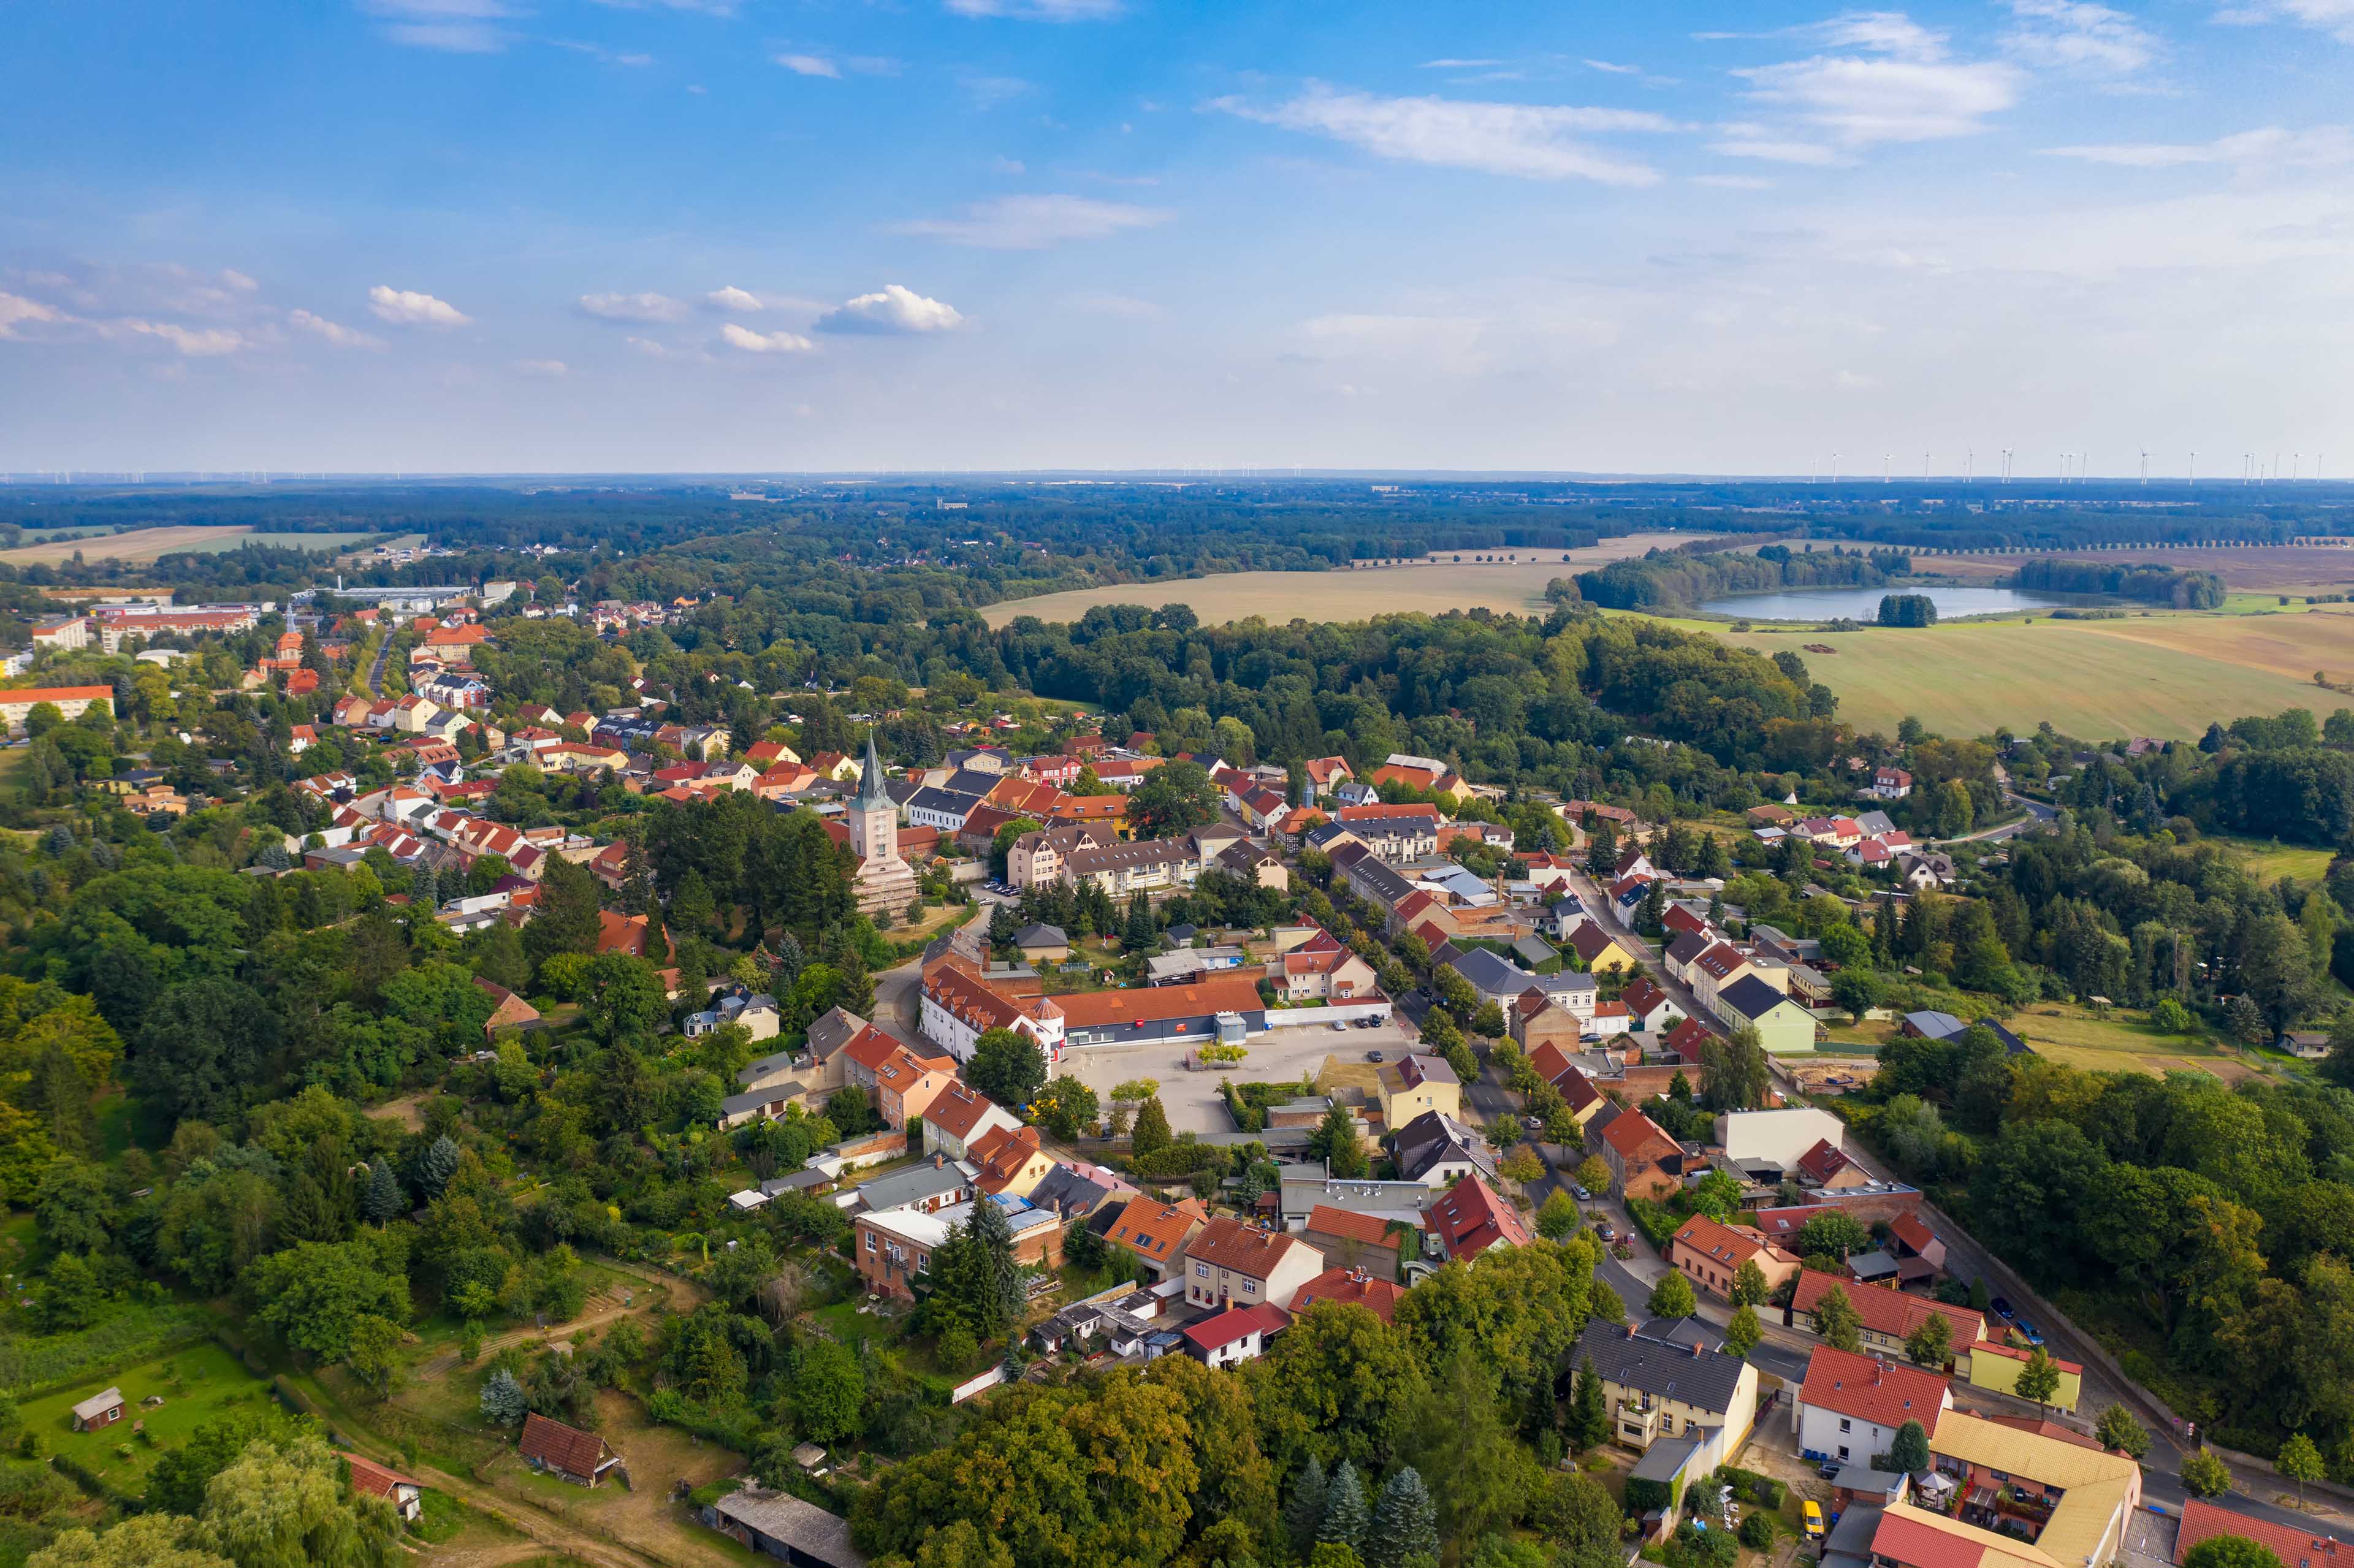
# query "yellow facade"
(1989, 1368)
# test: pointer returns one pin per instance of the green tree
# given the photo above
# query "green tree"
(142, 1541)
(1838, 1321)
(2205, 1476)
(1303, 1510)
(1908, 1451)
(829, 1392)
(2231, 1551)
(1340, 1383)
(1749, 1286)
(1592, 1173)
(1931, 1344)
(1672, 1297)
(1738, 1072)
(178, 1479)
(1743, 1331)
(1007, 1066)
(2117, 1429)
(1335, 1140)
(314, 1294)
(1832, 1234)
(2300, 1461)
(1347, 1516)
(1558, 1217)
(2039, 1380)
(1175, 798)
(503, 1401)
(566, 913)
(1522, 1166)
(1150, 1133)
(1406, 1522)
(384, 1200)
(291, 1504)
(1589, 1416)
(1459, 1441)
(624, 996)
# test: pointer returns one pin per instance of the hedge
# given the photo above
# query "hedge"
(1657, 1225)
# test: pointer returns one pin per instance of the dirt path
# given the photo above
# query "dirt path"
(440, 1366)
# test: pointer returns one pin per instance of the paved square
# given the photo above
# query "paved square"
(1190, 1097)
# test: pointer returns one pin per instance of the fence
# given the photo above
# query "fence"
(979, 1385)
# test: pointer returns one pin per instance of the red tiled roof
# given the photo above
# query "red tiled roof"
(1345, 1288)
(1874, 1390)
(2015, 1353)
(1154, 1004)
(1237, 1323)
(1471, 1218)
(870, 1048)
(1914, 1544)
(958, 1109)
(1685, 1039)
(1634, 1133)
(1728, 1245)
(1823, 1161)
(1228, 1243)
(1891, 1312)
(1370, 1229)
(372, 1479)
(1345, 814)
(566, 1449)
(1908, 1229)
(1153, 1228)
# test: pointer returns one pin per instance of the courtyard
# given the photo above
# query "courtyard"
(1191, 1096)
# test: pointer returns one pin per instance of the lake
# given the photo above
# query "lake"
(1863, 604)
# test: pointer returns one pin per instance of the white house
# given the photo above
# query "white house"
(1851, 1406)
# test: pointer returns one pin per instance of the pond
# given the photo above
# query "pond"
(1863, 603)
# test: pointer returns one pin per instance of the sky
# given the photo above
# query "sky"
(657, 236)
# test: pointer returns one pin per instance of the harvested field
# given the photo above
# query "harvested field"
(1429, 587)
(2290, 569)
(153, 543)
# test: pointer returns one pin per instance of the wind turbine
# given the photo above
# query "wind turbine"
(2145, 465)
(1969, 462)
(2006, 464)
(2194, 465)
(1834, 468)
(1885, 459)
(1925, 465)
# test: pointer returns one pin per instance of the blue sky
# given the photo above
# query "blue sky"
(533, 235)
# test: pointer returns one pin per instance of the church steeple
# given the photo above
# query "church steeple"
(870, 794)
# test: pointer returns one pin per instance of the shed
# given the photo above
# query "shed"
(582, 1457)
(99, 1409)
(779, 1524)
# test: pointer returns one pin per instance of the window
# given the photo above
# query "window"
(1201, 1271)
(870, 1240)
(1842, 1453)
(1250, 1286)
(1845, 1425)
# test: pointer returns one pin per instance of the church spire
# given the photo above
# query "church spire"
(871, 793)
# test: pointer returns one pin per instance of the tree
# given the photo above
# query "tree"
(1335, 1140)
(1406, 1522)
(293, 1505)
(1931, 1344)
(314, 1294)
(2300, 1461)
(1175, 798)
(1672, 1297)
(1592, 1173)
(1007, 1066)
(503, 1401)
(1738, 1073)
(1749, 1286)
(1589, 1416)
(1150, 1133)
(1838, 1321)
(1908, 1451)
(384, 1199)
(1833, 1234)
(1459, 1440)
(2039, 1380)
(1743, 1331)
(177, 1481)
(625, 996)
(1071, 1108)
(1339, 1385)
(2231, 1551)
(2205, 1476)
(142, 1541)
(2117, 1429)
(829, 1392)
(1558, 1217)
(1347, 1516)
(1523, 1165)
(566, 918)
(1303, 1510)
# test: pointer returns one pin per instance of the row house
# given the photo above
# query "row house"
(960, 1005)
(1393, 832)
(1035, 859)
(1151, 865)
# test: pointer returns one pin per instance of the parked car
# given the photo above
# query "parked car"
(1813, 1512)
(2027, 1332)
(2001, 1305)
(1580, 1193)
(1373, 1055)
(1607, 1231)
(1337, 1024)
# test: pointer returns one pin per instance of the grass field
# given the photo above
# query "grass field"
(152, 544)
(2270, 861)
(2121, 1042)
(197, 1384)
(2301, 568)
(1428, 588)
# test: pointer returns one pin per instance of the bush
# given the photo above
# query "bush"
(1657, 1225)
(1758, 1531)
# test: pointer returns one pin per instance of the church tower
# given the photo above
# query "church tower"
(874, 820)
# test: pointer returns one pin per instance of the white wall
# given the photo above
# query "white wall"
(1780, 1136)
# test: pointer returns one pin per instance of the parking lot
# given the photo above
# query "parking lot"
(1190, 1097)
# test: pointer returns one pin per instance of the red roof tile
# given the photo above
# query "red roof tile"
(1874, 1390)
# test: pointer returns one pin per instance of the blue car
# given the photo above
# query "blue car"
(2002, 1309)
(2027, 1332)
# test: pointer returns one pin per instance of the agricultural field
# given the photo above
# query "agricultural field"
(2292, 569)
(2120, 1041)
(1427, 587)
(197, 1384)
(2167, 676)
(152, 544)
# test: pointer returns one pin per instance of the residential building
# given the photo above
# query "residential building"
(1232, 1262)
(1371, 1244)
(1468, 1218)
(958, 1115)
(1393, 832)
(2296, 1547)
(1995, 1365)
(1644, 1162)
(1157, 1233)
(959, 1004)
(1656, 1388)
(1775, 1139)
(1147, 866)
(1889, 784)
(1649, 1008)
(1711, 1255)
(1236, 1335)
(1350, 1287)
(1850, 1405)
(903, 1083)
(1600, 951)
(18, 706)
(1887, 1317)
(894, 1247)
(2028, 1497)
(937, 1184)
(1331, 974)
(1435, 1150)
(1219, 1010)
(1418, 1083)
(374, 1480)
(1784, 1028)
(584, 1458)
(1010, 1163)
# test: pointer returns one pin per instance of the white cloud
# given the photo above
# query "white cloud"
(238, 281)
(15, 311)
(1461, 65)
(1906, 91)
(1004, 165)
(2321, 146)
(550, 368)
(732, 298)
(335, 333)
(988, 91)
(403, 308)
(2334, 17)
(1773, 151)
(810, 65)
(752, 342)
(453, 26)
(1034, 222)
(1612, 69)
(1529, 141)
(892, 311)
(1734, 181)
(206, 343)
(2074, 35)
(631, 307)
(1038, 10)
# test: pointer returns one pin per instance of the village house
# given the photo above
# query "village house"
(1231, 1262)
(1644, 1162)
(1468, 1219)
(1659, 1390)
(1350, 1287)
(1851, 1405)
(1368, 1244)
(1887, 1317)
(584, 1458)
(1156, 1232)
(1711, 1255)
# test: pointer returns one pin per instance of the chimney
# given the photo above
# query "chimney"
(1698, 1351)
(938, 1160)
(1877, 1368)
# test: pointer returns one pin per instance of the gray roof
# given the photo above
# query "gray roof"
(902, 1188)
(1684, 1332)
(948, 802)
(1751, 997)
(735, 1104)
(1040, 936)
(1665, 1458)
(1935, 1025)
(831, 1032)
(1690, 945)
(1857, 1524)
(1874, 822)
(799, 1180)
(805, 1527)
(1872, 1265)
(1489, 974)
(1064, 1188)
(1434, 1138)
(1534, 950)
(774, 1065)
(1704, 1381)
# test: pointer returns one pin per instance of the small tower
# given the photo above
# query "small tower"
(874, 820)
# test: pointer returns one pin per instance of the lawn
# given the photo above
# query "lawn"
(2270, 860)
(2120, 1042)
(197, 1384)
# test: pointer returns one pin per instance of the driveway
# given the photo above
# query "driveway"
(1190, 1096)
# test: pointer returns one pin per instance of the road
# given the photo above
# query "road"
(376, 674)
(2037, 815)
